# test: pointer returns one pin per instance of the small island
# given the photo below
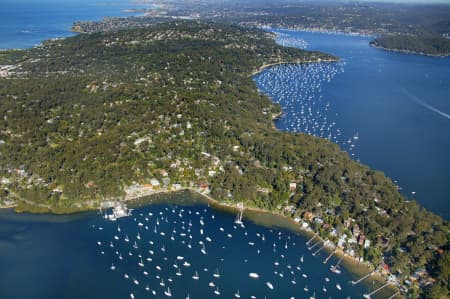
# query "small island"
(114, 116)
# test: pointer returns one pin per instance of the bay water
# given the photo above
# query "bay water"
(391, 110)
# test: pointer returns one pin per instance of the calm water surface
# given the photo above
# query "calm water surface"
(398, 104)
(379, 95)
(25, 23)
(71, 256)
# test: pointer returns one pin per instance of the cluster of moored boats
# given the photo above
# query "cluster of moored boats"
(287, 40)
(298, 89)
(159, 252)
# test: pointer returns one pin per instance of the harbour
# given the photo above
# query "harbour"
(344, 103)
(136, 256)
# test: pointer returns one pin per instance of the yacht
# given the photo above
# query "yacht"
(196, 277)
(167, 292)
(335, 270)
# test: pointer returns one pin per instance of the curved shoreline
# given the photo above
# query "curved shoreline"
(350, 263)
(148, 199)
(269, 65)
(326, 31)
(409, 52)
(224, 205)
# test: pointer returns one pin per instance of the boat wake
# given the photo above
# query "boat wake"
(423, 104)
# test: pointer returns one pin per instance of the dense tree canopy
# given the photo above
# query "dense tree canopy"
(88, 116)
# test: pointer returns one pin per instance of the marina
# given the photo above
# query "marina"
(185, 248)
(343, 103)
(155, 246)
(161, 266)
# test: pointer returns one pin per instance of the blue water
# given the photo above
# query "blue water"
(71, 256)
(376, 95)
(397, 104)
(25, 23)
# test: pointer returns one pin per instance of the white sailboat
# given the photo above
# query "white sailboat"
(203, 250)
(195, 276)
(167, 292)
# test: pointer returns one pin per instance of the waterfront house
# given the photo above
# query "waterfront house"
(154, 182)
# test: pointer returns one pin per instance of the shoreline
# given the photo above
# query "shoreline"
(409, 52)
(5, 207)
(371, 35)
(324, 31)
(266, 66)
(356, 268)
(147, 199)
(350, 263)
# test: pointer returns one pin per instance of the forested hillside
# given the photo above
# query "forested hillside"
(89, 117)
(427, 44)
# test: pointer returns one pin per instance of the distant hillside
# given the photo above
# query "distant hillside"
(111, 114)
(425, 45)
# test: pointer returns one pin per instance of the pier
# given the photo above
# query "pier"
(310, 240)
(362, 278)
(238, 219)
(318, 250)
(314, 245)
(393, 295)
(338, 263)
(368, 296)
(329, 256)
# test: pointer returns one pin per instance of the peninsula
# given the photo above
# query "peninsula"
(430, 45)
(409, 28)
(116, 115)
